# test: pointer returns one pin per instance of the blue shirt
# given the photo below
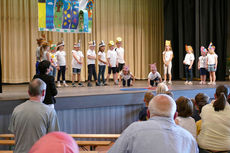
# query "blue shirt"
(158, 135)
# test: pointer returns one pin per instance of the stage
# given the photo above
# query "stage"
(85, 110)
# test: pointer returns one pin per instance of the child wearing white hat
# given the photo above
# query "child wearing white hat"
(91, 57)
(102, 63)
(77, 61)
(120, 54)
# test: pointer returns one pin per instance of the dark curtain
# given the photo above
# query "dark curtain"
(196, 23)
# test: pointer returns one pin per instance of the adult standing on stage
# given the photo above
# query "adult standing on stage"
(51, 91)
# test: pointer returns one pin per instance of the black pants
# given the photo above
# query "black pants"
(61, 72)
(128, 82)
(188, 73)
(154, 82)
(120, 67)
(101, 73)
(92, 71)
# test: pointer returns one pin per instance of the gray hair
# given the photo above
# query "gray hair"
(162, 105)
(161, 88)
(36, 87)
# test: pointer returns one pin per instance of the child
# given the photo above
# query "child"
(143, 115)
(188, 62)
(77, 61)
(53, 59)
(120, 54)
(126, 77)
(39, 42)
(167, 59)
(102, 63)
(112, 61)
(44, 52)
(202, 65)
(91, 57)
(61, 63)
(184, 119)
(212, 65)
(154, 77)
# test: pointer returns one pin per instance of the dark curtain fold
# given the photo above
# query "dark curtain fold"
(196, 23)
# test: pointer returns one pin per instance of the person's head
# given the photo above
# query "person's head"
(111, 45)
(92, 45)
(39, 41)
(168, 45)
(162, 105)
(189, 49)
(212, 50)
(53, 48)
(203, 51)
(221, 98)
(169, 93)
(184, 106)
(60, 46)
(119, 42)
(148, 96)
(77, 46)
(126, 70)
(44, 67)
(153, 68)
(37, 88)
(102, 46)
(201, 100)
(162, 88)
(55, 142)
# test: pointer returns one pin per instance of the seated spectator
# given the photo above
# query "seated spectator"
(51, 91)
(215, 129)
(32, 119)
(55, 142)
(159, 134)
(200, 101)
(169, 93)
(161, 88)
(184, 119)
(143, 116)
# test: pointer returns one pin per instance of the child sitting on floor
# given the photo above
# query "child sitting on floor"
(154, 77)
(143, 115)
(184, 119)
(126, 77)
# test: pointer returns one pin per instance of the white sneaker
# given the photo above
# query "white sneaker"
(213, 83)
(164, 81)
(58, 84)
(200, 82)
(65, 85)
(210, 83)
(190, 83)
(170, 82)
(186, 82)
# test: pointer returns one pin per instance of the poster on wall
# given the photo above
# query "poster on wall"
(73, 16)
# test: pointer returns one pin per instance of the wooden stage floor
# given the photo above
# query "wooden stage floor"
(15, 92)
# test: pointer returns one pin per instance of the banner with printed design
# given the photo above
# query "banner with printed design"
(73, 16)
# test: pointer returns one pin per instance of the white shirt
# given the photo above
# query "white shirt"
(203, 61)
(189, 58)
(103, 57)
(61, 58)
(79, 55)
(211, 58)
(152, 76)
(91, 53)
(44, 57)
(112, 55)
(188, 123)
(53, 58)
(215, 128)
(125, 77)
(120, 55)
(167, 55)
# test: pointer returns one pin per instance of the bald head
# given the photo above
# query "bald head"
(162, 105)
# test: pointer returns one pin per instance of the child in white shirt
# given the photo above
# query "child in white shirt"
(77, 61)
(188, 62)
(120, 54)
(154, 77)
(126, 77)
(167, 59)
(102, 63)
(61, 64)
(212, 65)
(202, 65)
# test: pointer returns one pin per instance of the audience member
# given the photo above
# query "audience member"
(184, 119)
(51, 91)
(215, 129)
(169, 93)
(162, 88)
(32, 119)
(55, 142)
(159, 134)
(143, 116)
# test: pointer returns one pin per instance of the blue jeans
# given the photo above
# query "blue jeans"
(101, 73)
(53, 72)
(188, 73)
(154, 82)
(37, 70)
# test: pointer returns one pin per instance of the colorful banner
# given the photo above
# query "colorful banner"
(64, 15)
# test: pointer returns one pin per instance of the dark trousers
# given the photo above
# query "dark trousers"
(154, 82)
(124, 82)
(37, 70)
(92, 71)
(61, 72)
(101, 73)
(188, 73)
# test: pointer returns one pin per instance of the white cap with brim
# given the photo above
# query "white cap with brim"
(102, 43)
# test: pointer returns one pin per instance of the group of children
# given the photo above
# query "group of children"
(114, 58)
